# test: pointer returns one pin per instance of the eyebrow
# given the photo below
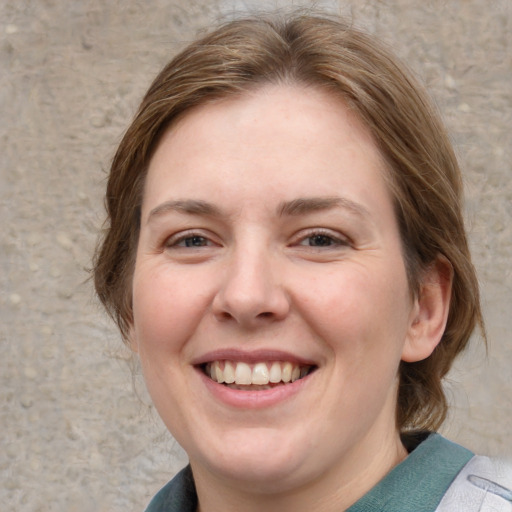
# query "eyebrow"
(305, 205)
(295, 207)
(189, 206)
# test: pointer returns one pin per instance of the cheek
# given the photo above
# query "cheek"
(359, 309)
(166, 308)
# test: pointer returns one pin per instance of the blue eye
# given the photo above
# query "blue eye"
(193, 241)
(320, 241)
(188, 240)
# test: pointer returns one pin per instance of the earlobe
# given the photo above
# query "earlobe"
(430, 311)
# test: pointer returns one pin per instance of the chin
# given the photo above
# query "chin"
(266, 463)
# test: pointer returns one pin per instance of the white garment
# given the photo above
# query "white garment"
(483, 485)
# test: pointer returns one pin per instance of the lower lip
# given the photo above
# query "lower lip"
(253, 399)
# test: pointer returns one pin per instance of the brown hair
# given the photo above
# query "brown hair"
(423, 172)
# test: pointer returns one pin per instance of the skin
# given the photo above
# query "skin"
(296, 250)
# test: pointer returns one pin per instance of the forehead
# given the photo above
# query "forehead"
(272, 106)
(277, 139)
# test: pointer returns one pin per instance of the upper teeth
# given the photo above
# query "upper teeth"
(240, 373)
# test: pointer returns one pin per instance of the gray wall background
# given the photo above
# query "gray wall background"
(75, 436)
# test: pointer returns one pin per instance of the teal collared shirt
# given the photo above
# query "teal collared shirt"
(416, 485)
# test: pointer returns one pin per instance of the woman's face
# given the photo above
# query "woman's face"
(269, 251)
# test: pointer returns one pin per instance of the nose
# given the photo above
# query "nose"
(251, 292)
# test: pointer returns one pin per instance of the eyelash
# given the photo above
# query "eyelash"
(334, 240)
(179, 241)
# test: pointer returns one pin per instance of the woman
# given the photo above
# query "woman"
(286, 254)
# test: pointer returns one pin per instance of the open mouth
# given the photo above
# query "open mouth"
(259, 376)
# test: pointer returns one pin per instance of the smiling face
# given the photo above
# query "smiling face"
(270, 297)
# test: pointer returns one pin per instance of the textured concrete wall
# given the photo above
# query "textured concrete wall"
(75, 436)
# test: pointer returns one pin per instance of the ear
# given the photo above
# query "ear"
(430, 311)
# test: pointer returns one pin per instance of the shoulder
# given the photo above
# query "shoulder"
(179, 495)
(482, 485)
(420, 481)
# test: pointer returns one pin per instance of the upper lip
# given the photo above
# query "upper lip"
(251, 356)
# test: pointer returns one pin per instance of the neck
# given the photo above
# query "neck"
(337, 489)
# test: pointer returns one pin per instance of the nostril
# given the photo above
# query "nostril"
(224, 315)
(250, 307)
